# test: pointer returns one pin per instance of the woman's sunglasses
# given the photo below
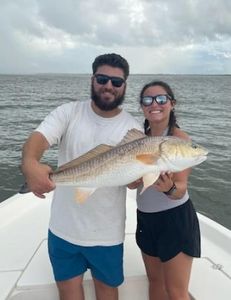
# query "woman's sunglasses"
(160, 99)
(103, 79)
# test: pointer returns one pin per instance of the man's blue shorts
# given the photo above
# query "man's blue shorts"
(69, 260)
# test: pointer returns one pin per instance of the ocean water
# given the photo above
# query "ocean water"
(203, 111)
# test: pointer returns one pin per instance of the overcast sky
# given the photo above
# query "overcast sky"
(155, 36)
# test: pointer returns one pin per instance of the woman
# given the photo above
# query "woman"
(168, 231)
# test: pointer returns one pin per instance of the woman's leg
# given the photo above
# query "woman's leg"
(155, 275)
(177, 274)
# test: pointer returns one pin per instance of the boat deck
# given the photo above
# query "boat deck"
(25, 271)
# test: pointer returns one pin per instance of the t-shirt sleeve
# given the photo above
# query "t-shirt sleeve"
(55, 124)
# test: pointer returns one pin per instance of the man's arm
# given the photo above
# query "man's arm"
(36, 174)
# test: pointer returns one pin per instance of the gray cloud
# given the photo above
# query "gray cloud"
(145, 22)
(55, 36)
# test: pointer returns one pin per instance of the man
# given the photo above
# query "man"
(90, 234)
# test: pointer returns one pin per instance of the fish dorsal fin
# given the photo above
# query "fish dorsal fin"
(87, 156)
(132, 135)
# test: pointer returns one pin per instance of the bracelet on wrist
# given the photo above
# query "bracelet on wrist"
(171, 190)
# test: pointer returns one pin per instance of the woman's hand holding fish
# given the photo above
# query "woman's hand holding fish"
(164, 182)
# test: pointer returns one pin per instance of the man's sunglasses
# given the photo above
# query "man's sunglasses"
(103, 79)
(160, 99)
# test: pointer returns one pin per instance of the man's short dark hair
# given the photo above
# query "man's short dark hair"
(113, 60)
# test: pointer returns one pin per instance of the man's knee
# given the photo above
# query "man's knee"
(104, 291)
(71, 288)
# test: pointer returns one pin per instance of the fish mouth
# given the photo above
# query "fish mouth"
(201, 158)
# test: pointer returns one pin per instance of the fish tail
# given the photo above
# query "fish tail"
(24, 189)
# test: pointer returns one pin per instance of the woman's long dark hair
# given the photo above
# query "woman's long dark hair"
(172, 118)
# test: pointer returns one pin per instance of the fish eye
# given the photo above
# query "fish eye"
(194, 146)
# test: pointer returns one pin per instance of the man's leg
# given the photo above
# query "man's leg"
(104, 292)
(106, 265)
(68, 265)
(71, 289)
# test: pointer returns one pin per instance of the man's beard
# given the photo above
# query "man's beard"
(104, 105)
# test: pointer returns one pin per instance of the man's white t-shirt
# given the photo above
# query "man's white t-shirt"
(100, 220)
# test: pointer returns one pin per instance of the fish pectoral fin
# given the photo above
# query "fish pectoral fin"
(81, 194)
(149, 179)
(147, 159)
